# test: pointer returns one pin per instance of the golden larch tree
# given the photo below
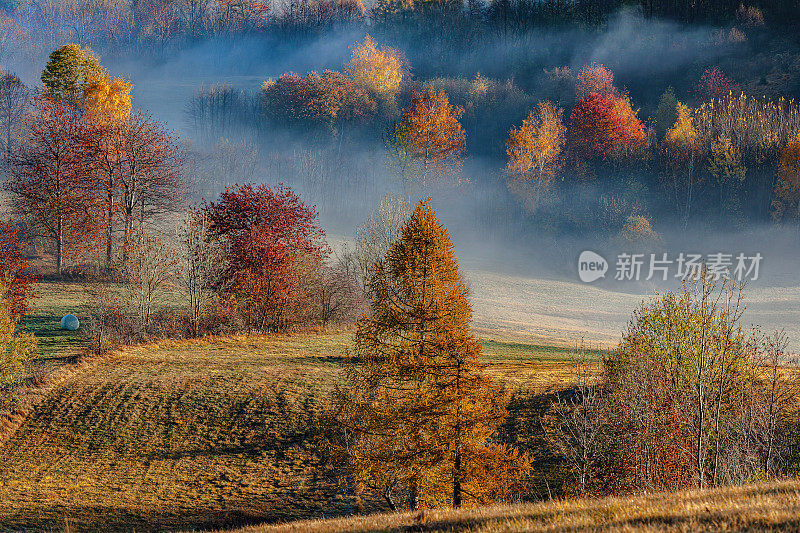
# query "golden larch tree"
(535, 154)
(418, 409)
(430, 136)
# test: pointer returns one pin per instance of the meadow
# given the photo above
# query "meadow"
(204, 433)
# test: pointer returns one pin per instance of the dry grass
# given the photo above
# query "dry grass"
(769, 507)
(207, 433)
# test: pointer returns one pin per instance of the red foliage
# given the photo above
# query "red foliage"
(714, 84)
(595, 79)
(15, 271)
(602, 126)
(268, 236)
(52, 181)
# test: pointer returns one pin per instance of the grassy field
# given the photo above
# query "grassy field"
(220, 433)
(201, 434)
(769, 507)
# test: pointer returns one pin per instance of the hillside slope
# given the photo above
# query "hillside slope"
(768, 507)
(201, 434)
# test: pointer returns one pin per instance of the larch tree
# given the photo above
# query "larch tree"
(69, 71)
(430, 138)
(535, 154)
(418, 411)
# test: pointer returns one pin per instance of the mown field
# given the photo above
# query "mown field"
(767, 507)
(208, 433)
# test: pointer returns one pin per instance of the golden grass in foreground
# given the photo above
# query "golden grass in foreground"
(768, 507)
(205, 433)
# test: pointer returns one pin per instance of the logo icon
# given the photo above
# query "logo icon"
(591, 266)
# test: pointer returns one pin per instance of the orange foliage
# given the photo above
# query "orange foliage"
(421, 408)
(106, 99)
(431, 134)
(786, 204)
(534, 153)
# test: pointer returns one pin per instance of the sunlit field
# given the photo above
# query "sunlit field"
(199, 433)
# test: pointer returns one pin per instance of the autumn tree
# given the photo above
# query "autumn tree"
(150, 178)
(326, 98)
(379, 68)
(151, 269)
(202, 263)
(106, 106)
(714, 84)
(597, 79)
(418, 411)
(16, 273)
(104, 99)
(604, 127)
(725, 166)
(535, 154)
(786, 204)
(429, 138)
(266, 235)
(688, 388)
(14, 104)
(49, 179)
(16, 348)
(682, 150)
(69, 72)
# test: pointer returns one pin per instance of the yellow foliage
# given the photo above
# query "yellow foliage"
(380, 69)
(107, 99)
(682, 136)
(534, 153)
(15, 347)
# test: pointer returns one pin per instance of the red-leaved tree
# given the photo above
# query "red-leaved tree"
(604, 127)
(269, 237)
(714, 84)
(16, 274)
(50, 180)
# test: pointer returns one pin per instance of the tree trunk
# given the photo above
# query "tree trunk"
(413, 494)
(389, 501)
(110, 229)
(59, 248)
(457, 480)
